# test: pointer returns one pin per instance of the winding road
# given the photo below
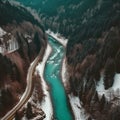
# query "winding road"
(10, 115)
(58, 95)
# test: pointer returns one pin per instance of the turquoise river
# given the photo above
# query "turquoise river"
(53, 77)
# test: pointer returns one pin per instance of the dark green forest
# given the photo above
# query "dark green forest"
(93, 31)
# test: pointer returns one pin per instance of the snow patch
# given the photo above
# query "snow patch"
(114, 90)
(100, 86)
(64, 73)
(77, 109)
(116, 84)
(12, 44)
(2, 32)
(58, 37)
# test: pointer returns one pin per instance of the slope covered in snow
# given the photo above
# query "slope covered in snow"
(2, 32)
(114, 90)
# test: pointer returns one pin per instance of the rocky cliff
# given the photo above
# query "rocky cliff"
(21, 39)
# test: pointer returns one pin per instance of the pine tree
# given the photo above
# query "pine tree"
(17, 117)
(29, 113)
(102, 102)
(96, 98)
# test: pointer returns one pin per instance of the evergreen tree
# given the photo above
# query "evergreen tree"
(102, 102)
(96, 98)
(17, 117)
(29, 113)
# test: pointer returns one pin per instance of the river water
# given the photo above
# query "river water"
(52, 76)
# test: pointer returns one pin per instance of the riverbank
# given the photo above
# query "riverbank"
(58, 37)
(46, 104)
(78, 110)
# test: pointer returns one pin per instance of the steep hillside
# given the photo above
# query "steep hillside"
(21, 39)
(93, 49)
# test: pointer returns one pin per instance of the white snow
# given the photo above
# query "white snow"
(100, 86)
(2, 32)
(111, 91)
(101, 89)
(46, 104)
(77, 109)
(12, 44)
(64, 71)
(28, 37)
(116, 84)
(58, 37)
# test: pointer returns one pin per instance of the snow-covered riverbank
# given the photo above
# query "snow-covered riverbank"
(58, 37)
(113, 91)
(46, 104)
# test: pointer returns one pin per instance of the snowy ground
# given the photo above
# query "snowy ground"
(113, 91)
(74, 101)
(58, 37)
(2, 32)
(46, 104)
(116, 84)
(12, 43)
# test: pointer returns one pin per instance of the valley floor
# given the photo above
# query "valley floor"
(78, 111)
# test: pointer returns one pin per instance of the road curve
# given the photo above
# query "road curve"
(10, 115)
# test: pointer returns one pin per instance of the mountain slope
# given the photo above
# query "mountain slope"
(93, 49)
(21, 39)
